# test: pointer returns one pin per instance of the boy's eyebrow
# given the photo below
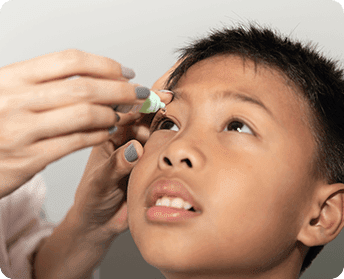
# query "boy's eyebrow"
(228, 94)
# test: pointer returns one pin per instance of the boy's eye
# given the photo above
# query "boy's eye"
(239, 127)
(163, 123)
(167, 124)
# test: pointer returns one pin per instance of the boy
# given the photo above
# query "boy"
(242, 176)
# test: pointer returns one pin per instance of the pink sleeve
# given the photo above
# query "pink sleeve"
(23, 227)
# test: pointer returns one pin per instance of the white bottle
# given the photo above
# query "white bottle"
(151, 105)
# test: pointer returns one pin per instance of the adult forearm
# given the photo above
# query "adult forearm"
(70, 252)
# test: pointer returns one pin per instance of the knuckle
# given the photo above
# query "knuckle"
(82, 89)
(7, 146)
(8, 103)
(11, 142)
(80, 140)
(72, 57)
(86, 113)
(109, 66)
(15, 141)
(123, 89)
(71, 53)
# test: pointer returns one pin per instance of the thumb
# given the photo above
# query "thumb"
(124, 158)
(133, 151)
(122, 162)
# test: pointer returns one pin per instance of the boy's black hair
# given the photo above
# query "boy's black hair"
(319, 79)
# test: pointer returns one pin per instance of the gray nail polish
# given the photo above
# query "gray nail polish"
(127, 72)
(142, 92)
(112, 130)
(130, 153)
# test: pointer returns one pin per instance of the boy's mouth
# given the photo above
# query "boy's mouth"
(175, 202)
(173, 194)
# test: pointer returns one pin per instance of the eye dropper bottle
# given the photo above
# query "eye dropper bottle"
(151, 105)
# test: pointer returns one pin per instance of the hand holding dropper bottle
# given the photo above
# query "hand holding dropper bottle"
(152, 104)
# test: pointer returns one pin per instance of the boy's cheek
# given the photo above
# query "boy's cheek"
(155, 141)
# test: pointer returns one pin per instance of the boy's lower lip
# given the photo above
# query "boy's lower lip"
(169, 214)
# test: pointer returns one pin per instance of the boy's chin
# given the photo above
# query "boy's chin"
(181, 267)
(165, 259)
(171, 264)
(176, 261)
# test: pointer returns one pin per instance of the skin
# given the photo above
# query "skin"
(99, 213)
(261, 206)
(42, 110)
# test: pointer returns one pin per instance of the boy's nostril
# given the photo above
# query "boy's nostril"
(166, 160)
(188, 162)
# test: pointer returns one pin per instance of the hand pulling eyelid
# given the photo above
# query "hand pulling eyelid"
(151, 105)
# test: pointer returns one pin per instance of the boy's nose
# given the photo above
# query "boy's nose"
(182, 154)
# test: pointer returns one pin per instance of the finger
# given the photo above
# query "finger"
(73, 119)
(118, 166)
(63, 93)
(49, 150)
(129, 118)
(124, 159)
(116, 170)
(65, 64)
(139, 130)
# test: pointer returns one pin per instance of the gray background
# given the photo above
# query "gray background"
(143, 35)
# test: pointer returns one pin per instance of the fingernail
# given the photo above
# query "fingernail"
(112, 130)
(117, 117)
(127, 72)
(130, 153)
(142, 92)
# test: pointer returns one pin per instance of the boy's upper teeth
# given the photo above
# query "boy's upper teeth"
(173, 202)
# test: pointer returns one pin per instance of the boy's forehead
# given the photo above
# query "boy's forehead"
(226, 67)
(228, 71)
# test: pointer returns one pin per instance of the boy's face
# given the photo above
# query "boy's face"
(252, 187)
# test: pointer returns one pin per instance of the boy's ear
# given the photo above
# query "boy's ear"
(324, 221)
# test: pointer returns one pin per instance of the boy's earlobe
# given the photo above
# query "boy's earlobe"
(326, 218)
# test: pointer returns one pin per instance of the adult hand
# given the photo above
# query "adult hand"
(100, 206)
(99, 212)
(45, 116)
